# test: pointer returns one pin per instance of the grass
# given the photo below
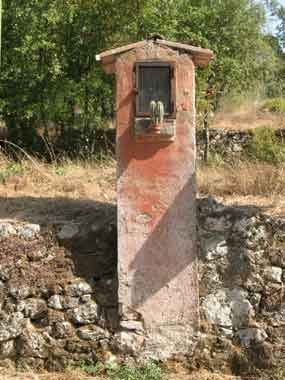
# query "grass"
(242, 179)
(82, 186)
(114, 371)
(265, 146)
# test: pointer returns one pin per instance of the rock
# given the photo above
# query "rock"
(78, 289)
(32, 344)
(29, 231)
(272, 297)
(228, 308)
(278, 318)
(251, 336)
(11, 326)
(55, 316)
(2, 293)
(70, 302)
(254, 283)
(128, 343)
(92, 333)
(20, 291)
(273, 274)
(7, 349)
(262, 355)
(7, 229)
(68, 232)
(62, 330)
(86, 298)
(220, 224)
(35, 308)
(217, 310)
(84, 314)
(55, 302)
(242, 310)
(5, 272)
(132, 325)
(215, 247)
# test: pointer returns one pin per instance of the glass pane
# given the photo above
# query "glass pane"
(154, 84)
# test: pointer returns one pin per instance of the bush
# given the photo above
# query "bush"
(265, 146)
(275, 105)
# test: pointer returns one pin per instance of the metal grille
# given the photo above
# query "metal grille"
(154, 83)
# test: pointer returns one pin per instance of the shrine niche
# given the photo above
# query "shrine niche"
(156, 151)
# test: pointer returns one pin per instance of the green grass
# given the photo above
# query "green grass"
(265, 146)
(11, 170)
(275, 105)
(149, 371)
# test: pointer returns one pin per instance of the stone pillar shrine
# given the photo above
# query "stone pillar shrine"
(156, 152)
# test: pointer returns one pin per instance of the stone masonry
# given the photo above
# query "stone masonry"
(58, 292)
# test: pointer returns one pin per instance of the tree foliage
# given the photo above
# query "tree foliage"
(49, 75)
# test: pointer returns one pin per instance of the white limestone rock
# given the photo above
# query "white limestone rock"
(7, 349)
(35, 308)
(85, 314)
(94, 333)
(29, 231)
(129, 342)
(228, 308)
(11, 326)
(273, 274)
(251, 336)
(7, 229)
(78, 289)
(55, 302)
(215, 248)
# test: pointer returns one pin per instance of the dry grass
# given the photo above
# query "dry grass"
(256, 184)
(243, 179)
(71, 191)
(37, 191)
(248, 118)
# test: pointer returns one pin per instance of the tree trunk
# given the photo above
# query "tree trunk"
(206, 135)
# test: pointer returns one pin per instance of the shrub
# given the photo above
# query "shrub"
(265, 146)
(275, 105)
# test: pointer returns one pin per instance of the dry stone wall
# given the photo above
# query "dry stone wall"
(58, 292)
(229, 143)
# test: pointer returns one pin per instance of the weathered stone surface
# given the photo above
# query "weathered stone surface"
(5, 272)
(251, 336)
(228, 308)
(11, 326)
(249, 303)
(78, 289)
(7, 229)
(132, 325)
(215, 247)
(230, 144)
(55, 302)
(273, 274)
(20, 291)
(32, 344)
(68, 232)
(62, 329)
(29, 231)
(129, 343)
(35, 308)
(70, 302)
(92, 333)
(84, 314)
(7, 349)
(156, 184)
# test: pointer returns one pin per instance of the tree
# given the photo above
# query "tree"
(49, 74)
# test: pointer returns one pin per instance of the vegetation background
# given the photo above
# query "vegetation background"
(54, 97)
